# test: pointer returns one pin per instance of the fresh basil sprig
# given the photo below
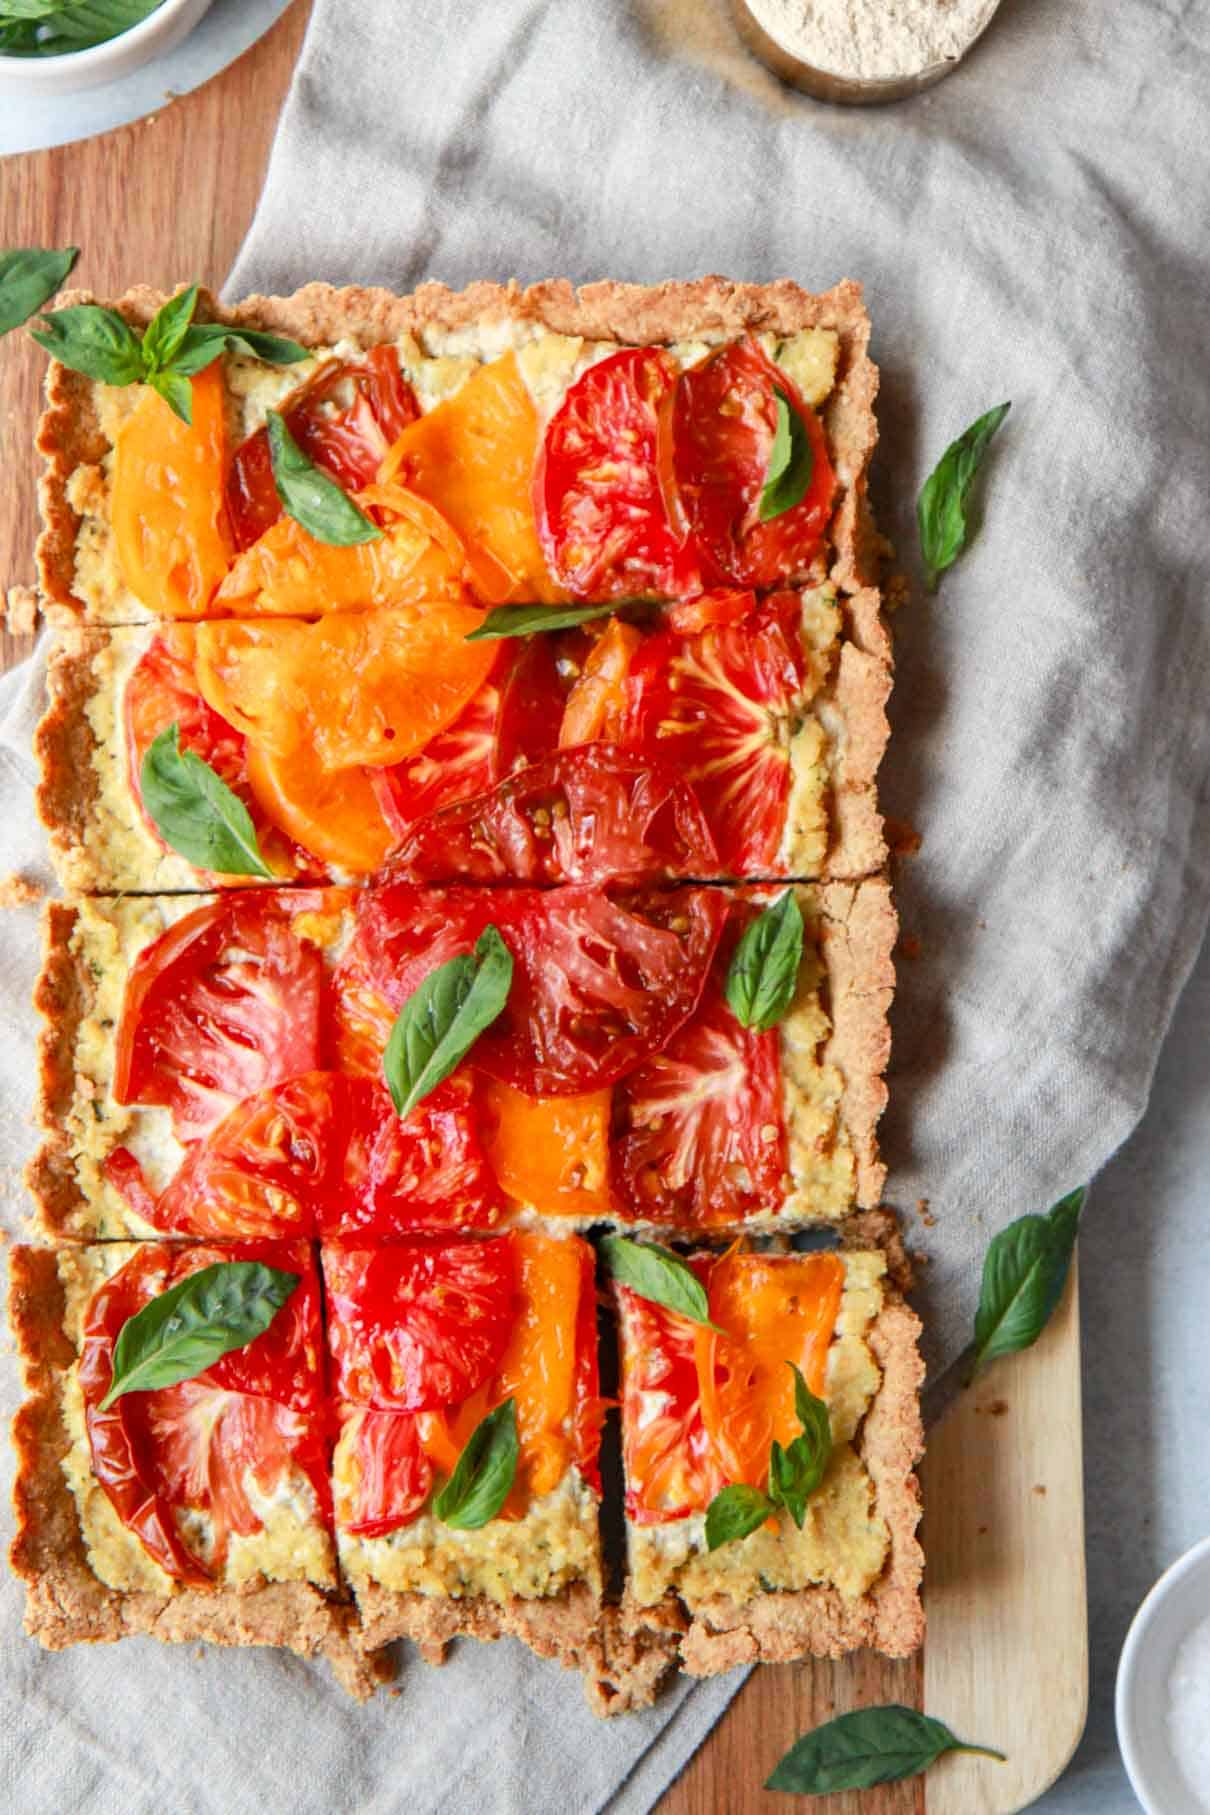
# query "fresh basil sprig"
(173, 348)
(48, 28)
(484, 1473)
(529, 620)
(659, 1275)
(795, 1473)
(29, 277)
(310, 497)
(763, 974)
(442, 1019)
(941, 507)
(867, 1747)
(195, 1323)
(791, 461)
(196, 813)
(1024, 1272)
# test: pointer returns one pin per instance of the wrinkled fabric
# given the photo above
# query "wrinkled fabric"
(1030, 229)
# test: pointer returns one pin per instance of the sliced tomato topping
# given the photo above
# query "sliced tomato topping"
(698, 1129)
(418, 1325)
(164, 691)
(700, 1409)
(596, 705)
(256, 1412)
(669, 1466)
(166, 504)
(540, 1365)
(344, 418)
(725, 419)
(549, 1152)
(394, 1476)
(593, 814)
(332, 814)
(326, 1154)
(363, 688)
(221, 1005)
(598, 984)
(720, 706)
(688, 616)
(598, 494)
(287, 573)
(473, 457)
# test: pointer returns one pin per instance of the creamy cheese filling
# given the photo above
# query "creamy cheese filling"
(843, 1543)
(293, 1545)
(437, 365)
(556, 1544)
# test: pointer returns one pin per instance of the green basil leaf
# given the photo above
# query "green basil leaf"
(204, 341)
(196, 1322)
(27, 9)
(484, 1473)
(791, 461)
(941, 507)
(796, 1471)
(530, 620)
(440, 1021)
(657, 1274)
(1024, 1272)
(735, 1512)
(310, 497)
(76, 24)
(92, 340)
(29, 277)
(196, 813)
(167, 329)
(762, 977)
(867, 1747)
(177, 393)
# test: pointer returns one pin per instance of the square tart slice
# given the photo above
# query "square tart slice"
(212, 1067)
(427, 1338)
(200, 1511)
(700, 1411)
(517, 446)
(738, 737)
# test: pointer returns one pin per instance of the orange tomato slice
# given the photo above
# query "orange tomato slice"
(167, 507)
(597, 702)
(538, 1367)
(367, 688)
(333, 814)
(287, 573)
(551, 1152)
(473, 457)
(775, 1310)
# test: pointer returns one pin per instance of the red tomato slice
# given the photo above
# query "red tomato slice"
(344, 418)
(598, 985)
(592, 814)
(394, 1475)
(326, 1154)
(724, 421)
(223, 1004)
(418, 1325)
(688, 616)
(698, 1130)
(163, 691)
(720, 707)
(669, 1465)
(191, 1445)
(598, 496)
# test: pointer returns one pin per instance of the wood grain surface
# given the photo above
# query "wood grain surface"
(169, 199)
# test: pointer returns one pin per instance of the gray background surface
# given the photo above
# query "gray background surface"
(1145, 1285)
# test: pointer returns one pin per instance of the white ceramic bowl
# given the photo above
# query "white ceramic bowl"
(1179, 1601)
(160, 32)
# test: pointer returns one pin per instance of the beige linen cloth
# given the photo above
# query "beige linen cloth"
(1033, 229)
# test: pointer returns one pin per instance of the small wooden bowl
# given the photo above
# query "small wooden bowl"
(824, 84)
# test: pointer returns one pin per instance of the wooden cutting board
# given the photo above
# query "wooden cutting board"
(169, 199)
